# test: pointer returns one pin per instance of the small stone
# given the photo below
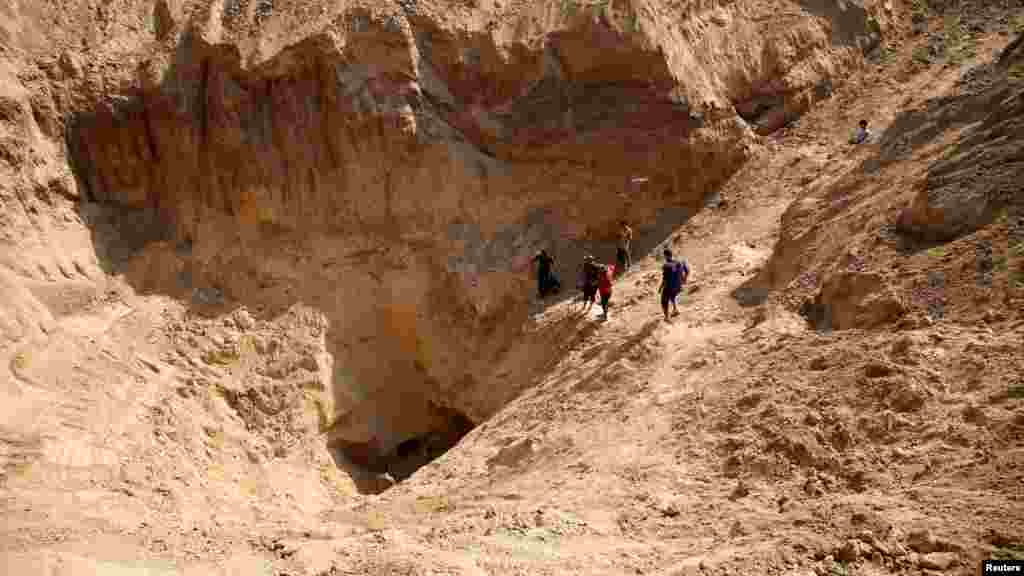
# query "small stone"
(849, 551)
(922, 541)
(902, 346)
(70, 65)
(909, 398)
(813, 488)
(878, 370)
(991, 316)
(243, 320)
(974, 415)
(670, 510)
(737, 530)
(740, 491)
(937, 560)
(309, 362)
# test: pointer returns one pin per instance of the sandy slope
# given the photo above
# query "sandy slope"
(740, 440)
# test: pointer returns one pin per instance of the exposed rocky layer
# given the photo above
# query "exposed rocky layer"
(942, 179)
(395, 166)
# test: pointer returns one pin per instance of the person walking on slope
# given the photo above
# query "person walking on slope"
(862, 134)
(590, 282)
(673, 276)
(623, 256)
(604, 285)
(546, 280)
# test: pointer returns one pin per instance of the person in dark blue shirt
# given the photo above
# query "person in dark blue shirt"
(673, 276)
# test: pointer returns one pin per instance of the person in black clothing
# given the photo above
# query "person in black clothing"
(591, 272)
(622, 253)
(546, 281)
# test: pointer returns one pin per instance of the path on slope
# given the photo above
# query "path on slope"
(595, 447)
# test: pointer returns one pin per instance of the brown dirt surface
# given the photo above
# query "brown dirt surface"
(266, 306)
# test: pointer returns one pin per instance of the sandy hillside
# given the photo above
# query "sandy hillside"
(266, 308)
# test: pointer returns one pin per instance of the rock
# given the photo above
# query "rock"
(70, 65)
(908, 397)
(913, 558)
(961, 194)
(737, 530)
(896, 549)
(902, 345)
(669, 510)
(881, 547)
(974, 415)
(853, 300)
(922, 541)
(898, 454)
(849, 551)
(878, 370)
(259, 345)
(813, 487)
(513, 454)
(1000, 538)
(937, 560)
(740, 491)
(309, 362)
(244, 320)
(208, 296)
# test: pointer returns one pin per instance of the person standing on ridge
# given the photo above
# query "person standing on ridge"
(590, 281)
(623, 256)
(581, 282)
(673, 276)
(604, 285)
(546, 280)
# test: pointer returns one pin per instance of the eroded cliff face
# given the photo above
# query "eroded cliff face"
(396, 165)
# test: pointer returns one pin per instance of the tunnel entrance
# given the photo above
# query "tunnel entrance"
(375, 467)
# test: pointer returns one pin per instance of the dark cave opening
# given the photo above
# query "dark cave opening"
(375, 469)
